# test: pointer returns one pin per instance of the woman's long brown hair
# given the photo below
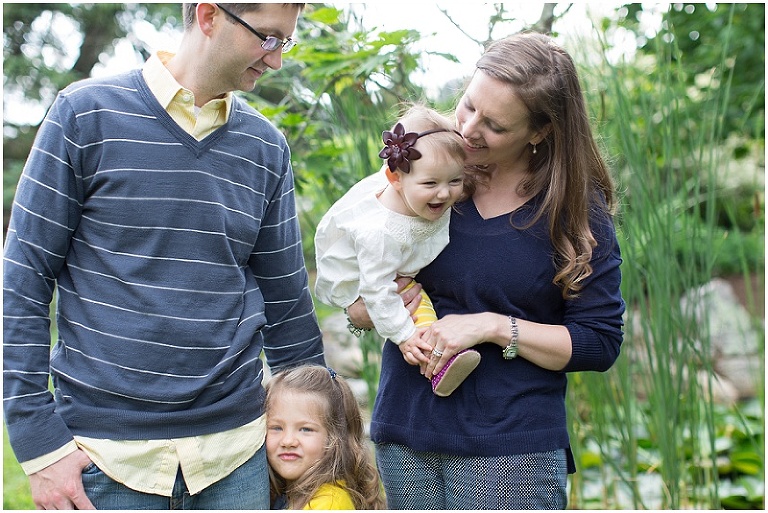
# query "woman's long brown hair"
(567, 165)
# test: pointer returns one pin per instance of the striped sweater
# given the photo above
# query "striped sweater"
(174, 261)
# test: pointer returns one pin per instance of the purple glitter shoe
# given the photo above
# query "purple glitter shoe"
(455, 372)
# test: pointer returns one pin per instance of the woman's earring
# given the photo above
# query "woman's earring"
(534, 149)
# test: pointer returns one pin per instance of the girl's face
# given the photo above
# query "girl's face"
(434, 184)
(493, 122)
(296, 437)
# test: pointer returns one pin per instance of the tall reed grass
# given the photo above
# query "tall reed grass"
(650, 424)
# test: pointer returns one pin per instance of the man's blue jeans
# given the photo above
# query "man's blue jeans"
(245, 488)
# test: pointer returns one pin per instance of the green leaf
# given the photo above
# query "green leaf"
(590, 459)
(324, 15)
(747, 462)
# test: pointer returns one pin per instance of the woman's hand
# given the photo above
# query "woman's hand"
(546, 345)
(452, 334)
(358, 313)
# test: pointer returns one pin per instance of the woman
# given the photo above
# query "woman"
(530, 279)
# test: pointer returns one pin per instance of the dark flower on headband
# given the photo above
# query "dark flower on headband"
(398, 149)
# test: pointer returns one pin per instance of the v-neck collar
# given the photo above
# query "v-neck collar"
(184, 137)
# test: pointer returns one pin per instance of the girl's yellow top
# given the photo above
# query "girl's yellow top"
(330, 496)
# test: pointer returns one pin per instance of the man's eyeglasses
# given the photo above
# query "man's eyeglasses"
(270, 43)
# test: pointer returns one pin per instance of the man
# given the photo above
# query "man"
(161, 209)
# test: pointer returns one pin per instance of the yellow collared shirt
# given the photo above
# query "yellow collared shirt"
(150, 466)
(180, 102)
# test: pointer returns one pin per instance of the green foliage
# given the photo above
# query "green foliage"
(342, 82)
(666, 127)
(11, 174)
(24, 66)
(611, 478)
(16, 492)
(716, 46)
(689, 210)
(37, 58)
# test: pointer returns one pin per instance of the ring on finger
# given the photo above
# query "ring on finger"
(437, 352)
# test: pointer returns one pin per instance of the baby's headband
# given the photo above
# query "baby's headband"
(398, 146)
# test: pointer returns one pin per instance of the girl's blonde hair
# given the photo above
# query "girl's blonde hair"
(567, 164)
(347, 461)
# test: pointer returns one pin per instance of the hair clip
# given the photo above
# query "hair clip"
(398, 147)
(332, 372)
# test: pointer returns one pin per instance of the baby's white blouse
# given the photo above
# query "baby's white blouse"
(361, 247)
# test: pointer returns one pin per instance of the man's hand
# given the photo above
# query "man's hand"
(60, 486)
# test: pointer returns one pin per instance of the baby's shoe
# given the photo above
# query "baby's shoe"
(455, 372)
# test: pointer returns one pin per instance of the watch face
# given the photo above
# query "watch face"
(510, 352)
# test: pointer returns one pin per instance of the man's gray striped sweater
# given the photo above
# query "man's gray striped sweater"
(175, 262)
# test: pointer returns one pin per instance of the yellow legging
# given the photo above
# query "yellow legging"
(425, 313)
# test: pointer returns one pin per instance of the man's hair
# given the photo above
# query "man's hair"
(236, 9)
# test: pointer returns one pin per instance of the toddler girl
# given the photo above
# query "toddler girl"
(392, 224)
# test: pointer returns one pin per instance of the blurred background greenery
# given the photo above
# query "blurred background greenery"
(676, 93)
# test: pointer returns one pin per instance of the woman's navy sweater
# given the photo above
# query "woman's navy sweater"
(504, 407)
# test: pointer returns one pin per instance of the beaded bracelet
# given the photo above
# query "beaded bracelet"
(355, 330)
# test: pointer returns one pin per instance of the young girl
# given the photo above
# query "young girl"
(316, 449)
(392, 224)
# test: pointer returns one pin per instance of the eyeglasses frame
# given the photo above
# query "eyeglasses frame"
(287, 44)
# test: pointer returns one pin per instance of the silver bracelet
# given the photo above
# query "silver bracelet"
(510, 351)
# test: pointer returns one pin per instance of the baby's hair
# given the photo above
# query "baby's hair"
(420, 118)
(347, 460)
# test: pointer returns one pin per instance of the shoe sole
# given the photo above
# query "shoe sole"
(455, 372)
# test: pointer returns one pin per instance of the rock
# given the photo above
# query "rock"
(716, 306)
(735, 345)
(743, 373)
(359, 389)
(723, 391)
(726, 337)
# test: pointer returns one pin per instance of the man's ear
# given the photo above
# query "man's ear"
(204, 17)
